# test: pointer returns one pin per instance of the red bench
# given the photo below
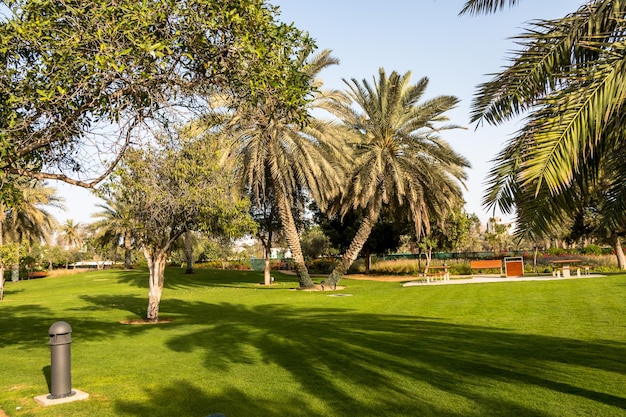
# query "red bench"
(486, 264)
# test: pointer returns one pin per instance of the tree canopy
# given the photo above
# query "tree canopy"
(79, 80)
(174, 188)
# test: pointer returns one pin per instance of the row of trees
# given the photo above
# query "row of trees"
(71, 76)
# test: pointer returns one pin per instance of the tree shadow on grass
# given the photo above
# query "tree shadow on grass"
(406, 365)
(182, 398)
(24, 325)
(176, 278)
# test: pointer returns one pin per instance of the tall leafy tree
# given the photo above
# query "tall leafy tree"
(400, 157)
(70, 70)
(281, 156)
(174, 188)
(265, 213)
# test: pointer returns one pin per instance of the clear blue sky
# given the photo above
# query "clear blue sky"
(426, 37)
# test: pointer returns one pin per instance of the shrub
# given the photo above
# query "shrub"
(322, 265)
(592, 250)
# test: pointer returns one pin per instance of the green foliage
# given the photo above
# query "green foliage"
(171, 190)
(322, 265)
(593, 250)
(10, 254)
(314, 244)
(568, 79)
(69, 69)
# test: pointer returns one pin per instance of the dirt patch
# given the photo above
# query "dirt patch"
(381, 278)
(321, 287)
(144, 321)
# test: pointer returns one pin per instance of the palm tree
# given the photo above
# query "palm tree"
(28, 220)
(115, 222)
(71, 234)
(274, 151)
(569, 78)
(400, 158)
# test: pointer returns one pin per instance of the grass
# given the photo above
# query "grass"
(553, 348)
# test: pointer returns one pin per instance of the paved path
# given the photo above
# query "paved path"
(478, 279)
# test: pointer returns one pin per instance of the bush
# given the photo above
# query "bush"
(322, 265)
(592, 250)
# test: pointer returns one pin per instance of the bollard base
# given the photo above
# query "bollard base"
(75, 395)
(57, 397)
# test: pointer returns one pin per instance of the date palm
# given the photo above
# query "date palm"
(116, 222)
(400, 159)
(28, 220)
(275, 152)
(569, 79)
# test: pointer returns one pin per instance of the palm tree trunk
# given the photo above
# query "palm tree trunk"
(355, 247)
(267, 251)
(156, 259)
(619, 251)
(293, 239)
(128, 245)
(267, 268)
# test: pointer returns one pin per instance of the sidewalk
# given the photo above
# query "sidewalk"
(479, 279)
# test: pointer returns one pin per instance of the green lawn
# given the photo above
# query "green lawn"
(552, 348)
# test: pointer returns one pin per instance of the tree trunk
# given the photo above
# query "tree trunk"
(128, 246)
(15, 268)
(188, 252)
(368, 262)
(267, 267)
(619, 251)
(156, 259)
(429, 258)
(2, 215)
(419, 259)
(293, 240)
(355, 248)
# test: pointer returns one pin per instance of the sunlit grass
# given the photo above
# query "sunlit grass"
(552, 348)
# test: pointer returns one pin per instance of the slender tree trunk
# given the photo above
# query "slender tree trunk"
(429, 258)
(156, 259)
(267, 251)
(1, 283)
(293, 239)
(368, 262)
(267, 268)
(419, 259)
(128, 246)
(188, 252)
(15, 268)
(355, 247)
(619, 251)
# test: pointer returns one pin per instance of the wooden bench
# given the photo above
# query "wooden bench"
(486, 264)
(37, 274)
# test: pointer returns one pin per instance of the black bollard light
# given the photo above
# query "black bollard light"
(60, 360)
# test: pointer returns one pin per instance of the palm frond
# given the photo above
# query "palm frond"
(475, 7)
